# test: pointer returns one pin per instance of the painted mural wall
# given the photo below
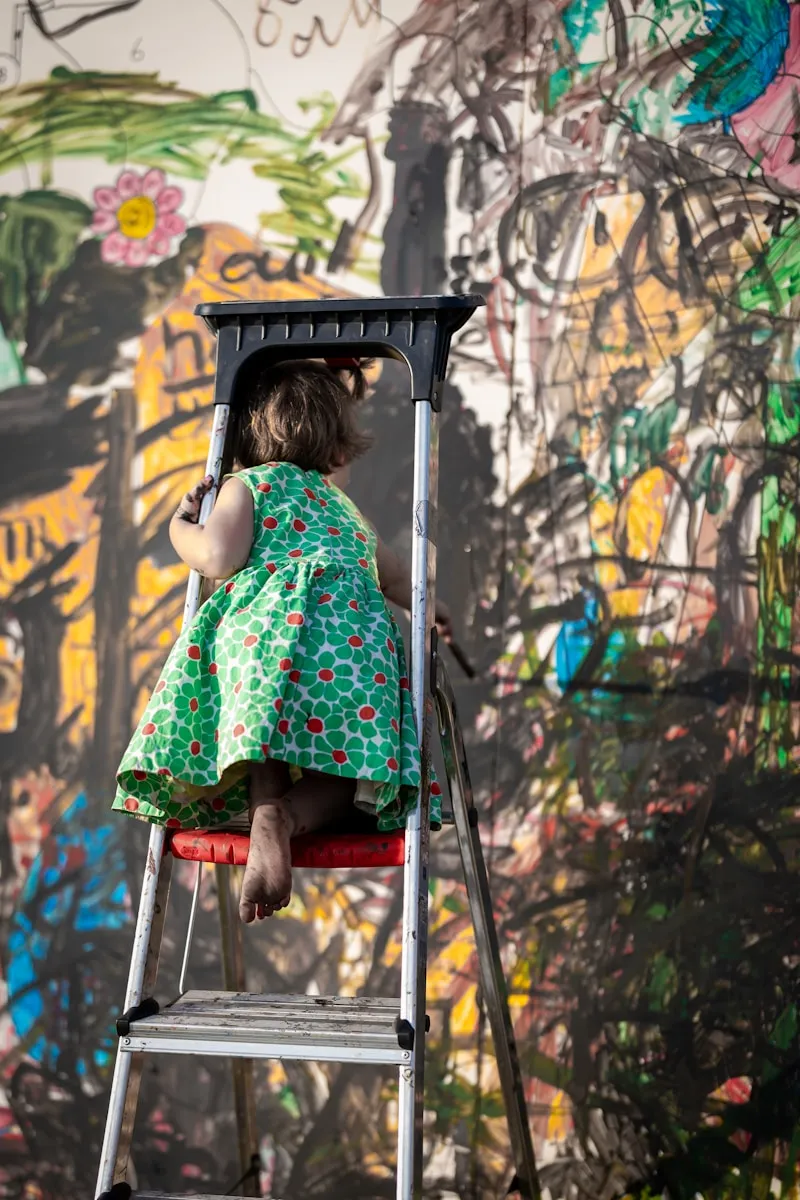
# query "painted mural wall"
(619, 505)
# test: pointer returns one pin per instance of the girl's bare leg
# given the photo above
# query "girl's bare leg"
(267, 882)
(279, 812)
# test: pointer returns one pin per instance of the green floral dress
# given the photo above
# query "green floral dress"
(296, 658)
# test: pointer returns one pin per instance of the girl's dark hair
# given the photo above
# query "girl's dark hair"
(299, 412)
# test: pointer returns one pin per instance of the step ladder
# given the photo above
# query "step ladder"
(384, 1031)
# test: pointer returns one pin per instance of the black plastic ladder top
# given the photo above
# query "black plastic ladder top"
(414, 329)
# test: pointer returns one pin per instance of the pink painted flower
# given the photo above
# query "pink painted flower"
(137, 219)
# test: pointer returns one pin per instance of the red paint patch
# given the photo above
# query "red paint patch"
(299, 526)
(148, 729)
(339, 756)
(323, 503)
(355, 641)
(218, 804)
(160, 686)
(212, 668)
(163, 771)
(195, 748)
(295, 618)
(266, 488)
(324, 598)
(334, 532)
(392, 764)
(319, 571)
(390, 645)
(362, 562)
(294, 676)
(309, 493)
(193, 652)
(362, 537)
(250, 640)
(283, 727)
(238, 730)
(140, 775)
(271, 568)
(237, 687)
(265, 749)
(194, 704)
(314, 725)
(380, 677)
(367, 712)
(395, 726)
(290, 587)
(285, 664)
(295, 554)
(229, 587)
(353, 604)
(277, 704)
(435, 789)
(269, 523)
(404, 684)
(326, 675)
(173, 823)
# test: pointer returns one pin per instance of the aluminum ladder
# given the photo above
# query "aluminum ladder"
(364, 1030)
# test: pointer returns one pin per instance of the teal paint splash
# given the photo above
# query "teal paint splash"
(580, 21)
(745, 46)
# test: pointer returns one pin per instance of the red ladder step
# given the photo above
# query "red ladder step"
(328, 852)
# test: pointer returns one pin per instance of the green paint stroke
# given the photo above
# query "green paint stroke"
(38, 234)
(770, 286)
(139, 120)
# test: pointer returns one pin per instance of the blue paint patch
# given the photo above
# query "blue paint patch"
(745, 46)
(76, 886)
(575, 640)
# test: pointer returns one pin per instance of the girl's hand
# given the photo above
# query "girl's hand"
(444, 622)
(189, 507)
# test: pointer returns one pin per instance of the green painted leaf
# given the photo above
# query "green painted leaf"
(38, 234)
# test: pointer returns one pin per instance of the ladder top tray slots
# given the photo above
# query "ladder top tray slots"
(412, 329)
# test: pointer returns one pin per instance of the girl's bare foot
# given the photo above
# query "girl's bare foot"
(267, 883)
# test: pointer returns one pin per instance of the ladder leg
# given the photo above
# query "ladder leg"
(152, 907)
(491, 967)
(241, 1068)
(415, 875)
(141, 981)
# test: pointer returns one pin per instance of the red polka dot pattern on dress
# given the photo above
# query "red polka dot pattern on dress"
(296, 658)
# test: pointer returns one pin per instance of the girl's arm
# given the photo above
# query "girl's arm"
(395, 578)
(221, 547)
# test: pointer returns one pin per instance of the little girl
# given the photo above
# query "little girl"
(287, 696)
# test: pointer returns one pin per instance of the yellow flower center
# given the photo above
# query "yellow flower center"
(137, 217)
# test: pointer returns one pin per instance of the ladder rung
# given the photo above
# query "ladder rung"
(328, 853)
(357, 1029)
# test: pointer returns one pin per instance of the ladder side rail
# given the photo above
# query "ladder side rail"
(152, 903)
(413, 971)
(242, 1073)
(493, 981)
(127, 1067)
